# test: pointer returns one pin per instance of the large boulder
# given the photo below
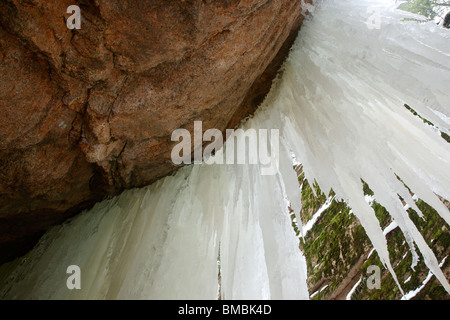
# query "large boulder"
(86, 113)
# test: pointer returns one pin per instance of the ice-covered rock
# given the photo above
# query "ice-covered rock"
(339, 109)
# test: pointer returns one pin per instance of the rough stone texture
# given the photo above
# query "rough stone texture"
(87, 113)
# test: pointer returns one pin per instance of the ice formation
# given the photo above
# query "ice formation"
(339, 109)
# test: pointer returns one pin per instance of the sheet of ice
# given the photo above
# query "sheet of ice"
(162, 242)
(339, 110)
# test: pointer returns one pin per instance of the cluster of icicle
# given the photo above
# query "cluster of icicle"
(339, 108)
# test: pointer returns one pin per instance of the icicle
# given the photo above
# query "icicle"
(345, 107)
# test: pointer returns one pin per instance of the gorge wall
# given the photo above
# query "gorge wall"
(87, 113)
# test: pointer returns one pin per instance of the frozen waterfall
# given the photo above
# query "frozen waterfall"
(339, 108)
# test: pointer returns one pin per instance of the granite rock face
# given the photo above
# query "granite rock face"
(89, 112)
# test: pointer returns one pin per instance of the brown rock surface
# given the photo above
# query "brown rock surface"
(87, 113)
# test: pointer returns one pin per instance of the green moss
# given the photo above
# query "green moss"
(422, 7)
(337, 241)
(445, 136)
(366, 189)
